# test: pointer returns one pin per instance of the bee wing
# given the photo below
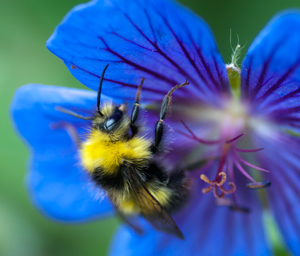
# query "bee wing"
(156, 213)
(131, 221)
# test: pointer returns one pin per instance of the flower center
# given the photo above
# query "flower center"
(230, 127)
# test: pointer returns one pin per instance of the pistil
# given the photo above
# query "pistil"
(217, 183)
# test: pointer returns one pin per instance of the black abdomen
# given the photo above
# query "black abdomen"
(108, 181)
(153, 173)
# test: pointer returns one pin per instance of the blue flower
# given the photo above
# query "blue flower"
(247, 123)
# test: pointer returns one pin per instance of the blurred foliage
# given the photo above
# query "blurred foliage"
(24, 28)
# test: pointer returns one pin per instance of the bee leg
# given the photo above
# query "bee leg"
(176, 178)
(70, 130)
(179, 185)
(136, 109)
(71, 113)
(159, 127)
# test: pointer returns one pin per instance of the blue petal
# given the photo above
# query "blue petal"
(284, 194)
(271, 70)
(158, 40)
(58, 185)
(209, 230)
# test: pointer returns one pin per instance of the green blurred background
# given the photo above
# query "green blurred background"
(24, 28)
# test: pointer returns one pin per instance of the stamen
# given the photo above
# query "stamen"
(223, 158)
(223, 179)
(242, 170)
(250, 165)
(207, 142)
(238, 208)
(235, 138)
(232, 206)
(193, 136)
(248, 150)
(260, 184)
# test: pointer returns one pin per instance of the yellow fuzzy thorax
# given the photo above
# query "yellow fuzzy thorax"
(96, 151)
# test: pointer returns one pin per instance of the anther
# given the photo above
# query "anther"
(238, 208)
(232, 206)
(260, 184)
(248, 150)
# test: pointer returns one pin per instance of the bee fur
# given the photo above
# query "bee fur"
(123, 162)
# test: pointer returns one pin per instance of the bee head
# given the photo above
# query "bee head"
(114, 121)
(108, 120)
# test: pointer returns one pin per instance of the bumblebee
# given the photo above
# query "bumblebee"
(123, 162)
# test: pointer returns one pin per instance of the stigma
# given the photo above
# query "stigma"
(216, 184)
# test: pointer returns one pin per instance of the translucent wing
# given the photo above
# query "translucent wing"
(151, 209)
(131, 221)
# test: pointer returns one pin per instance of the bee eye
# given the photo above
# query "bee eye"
(111, 123)
(101, 127)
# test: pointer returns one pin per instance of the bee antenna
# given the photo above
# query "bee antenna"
(99, 90)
